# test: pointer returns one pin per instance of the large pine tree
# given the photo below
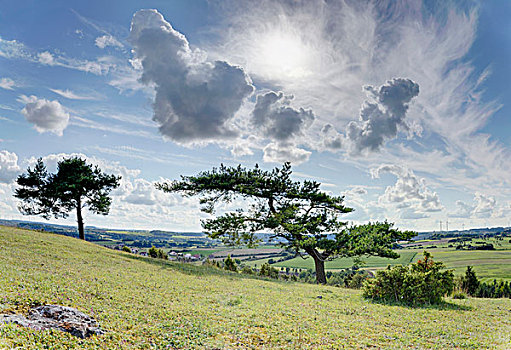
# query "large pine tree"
(298, 214)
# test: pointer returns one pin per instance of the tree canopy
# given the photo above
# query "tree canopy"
(296, 213)
(75, 185)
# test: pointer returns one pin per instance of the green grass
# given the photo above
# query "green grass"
(147, 303)
(488, 264)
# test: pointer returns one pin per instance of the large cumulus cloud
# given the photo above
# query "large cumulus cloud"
(409, 194)
(382, 115)
(196, 99)
(47, 116)
(483, 206)
(9, 167)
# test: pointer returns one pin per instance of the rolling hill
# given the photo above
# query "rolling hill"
(145, 303)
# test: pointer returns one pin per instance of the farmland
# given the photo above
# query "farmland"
(151, 304)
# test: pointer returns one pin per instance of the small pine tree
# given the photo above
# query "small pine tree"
(469, 282)
(229, 264)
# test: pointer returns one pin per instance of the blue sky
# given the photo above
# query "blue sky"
(401, 106)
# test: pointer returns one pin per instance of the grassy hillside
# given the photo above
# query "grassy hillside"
(151, 304)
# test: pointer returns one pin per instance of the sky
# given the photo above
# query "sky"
(403, 107)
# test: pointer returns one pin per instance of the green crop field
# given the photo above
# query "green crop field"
(488, 264)
(406, 256)
(146, 303)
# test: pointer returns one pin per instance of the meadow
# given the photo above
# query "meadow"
(146, 303)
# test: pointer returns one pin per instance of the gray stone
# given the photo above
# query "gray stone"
(63, 318)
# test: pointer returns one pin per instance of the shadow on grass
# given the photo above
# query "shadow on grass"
(444, 305)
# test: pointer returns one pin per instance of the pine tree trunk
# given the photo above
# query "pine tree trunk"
(79, 218)
(319, 264)
(320, 271)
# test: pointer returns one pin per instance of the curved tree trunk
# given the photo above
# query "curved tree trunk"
(319, 264)
(79, 218)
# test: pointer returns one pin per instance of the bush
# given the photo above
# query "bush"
(268, 271)
(229, 264)
(157, 253)
(153, 252)
(126, 249)
(247, 270)
(161, 254)
(420, 283)
(356, 281)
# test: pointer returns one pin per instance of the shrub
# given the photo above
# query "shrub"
(153, 252)
(229, 264)
(357, 280)
(161, 254)
(420, 283)
(247, 270)
(268, 271)
(157, 253)
(126, 249)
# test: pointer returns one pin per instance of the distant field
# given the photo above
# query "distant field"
(488, 264)
(146, 303)
(406, 256)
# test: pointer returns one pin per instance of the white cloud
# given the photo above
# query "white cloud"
(7, 84)
(12, 49)
(409, 193)
(73, 96)
(91, 124)
(196, 99)
(332, 139)
(279, 153)
(47, 116)
(46, 58)
(100, 66)
(107, 40)
(9, 168)
(143, 192)
(484, 206)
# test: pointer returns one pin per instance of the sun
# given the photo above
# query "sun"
(283, 54)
